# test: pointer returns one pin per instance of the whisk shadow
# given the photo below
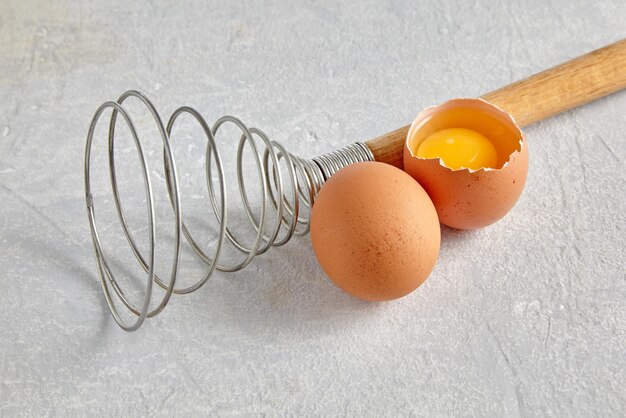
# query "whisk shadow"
(300, 294)
(252, 298)
(78, 275)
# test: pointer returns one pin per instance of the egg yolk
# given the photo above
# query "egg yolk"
(459, 148)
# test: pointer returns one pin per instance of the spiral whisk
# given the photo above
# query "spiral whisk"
(285, 190)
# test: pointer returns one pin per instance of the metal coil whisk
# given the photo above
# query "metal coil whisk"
(284, 193)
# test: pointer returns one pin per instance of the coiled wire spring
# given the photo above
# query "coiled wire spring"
(285, 191)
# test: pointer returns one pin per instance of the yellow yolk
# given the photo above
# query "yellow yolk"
(459, 148)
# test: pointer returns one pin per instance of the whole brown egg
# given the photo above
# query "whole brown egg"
(375, 231)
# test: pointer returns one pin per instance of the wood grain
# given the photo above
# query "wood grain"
(558, 89)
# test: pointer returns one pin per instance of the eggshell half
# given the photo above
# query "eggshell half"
(467, 199)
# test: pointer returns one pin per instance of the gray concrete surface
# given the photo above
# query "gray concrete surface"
(524, 318)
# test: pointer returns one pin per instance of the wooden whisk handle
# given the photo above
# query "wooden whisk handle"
(573, 83)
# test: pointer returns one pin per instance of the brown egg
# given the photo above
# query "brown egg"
(375, 231)
(464, 198)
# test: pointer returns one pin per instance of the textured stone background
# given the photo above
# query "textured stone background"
(524, 318)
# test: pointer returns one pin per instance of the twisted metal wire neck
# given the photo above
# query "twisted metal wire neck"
(334, 161)
(287, 192)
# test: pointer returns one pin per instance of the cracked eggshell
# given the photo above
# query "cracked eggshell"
(470, 199)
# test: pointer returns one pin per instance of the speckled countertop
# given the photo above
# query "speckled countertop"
(524, 318)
